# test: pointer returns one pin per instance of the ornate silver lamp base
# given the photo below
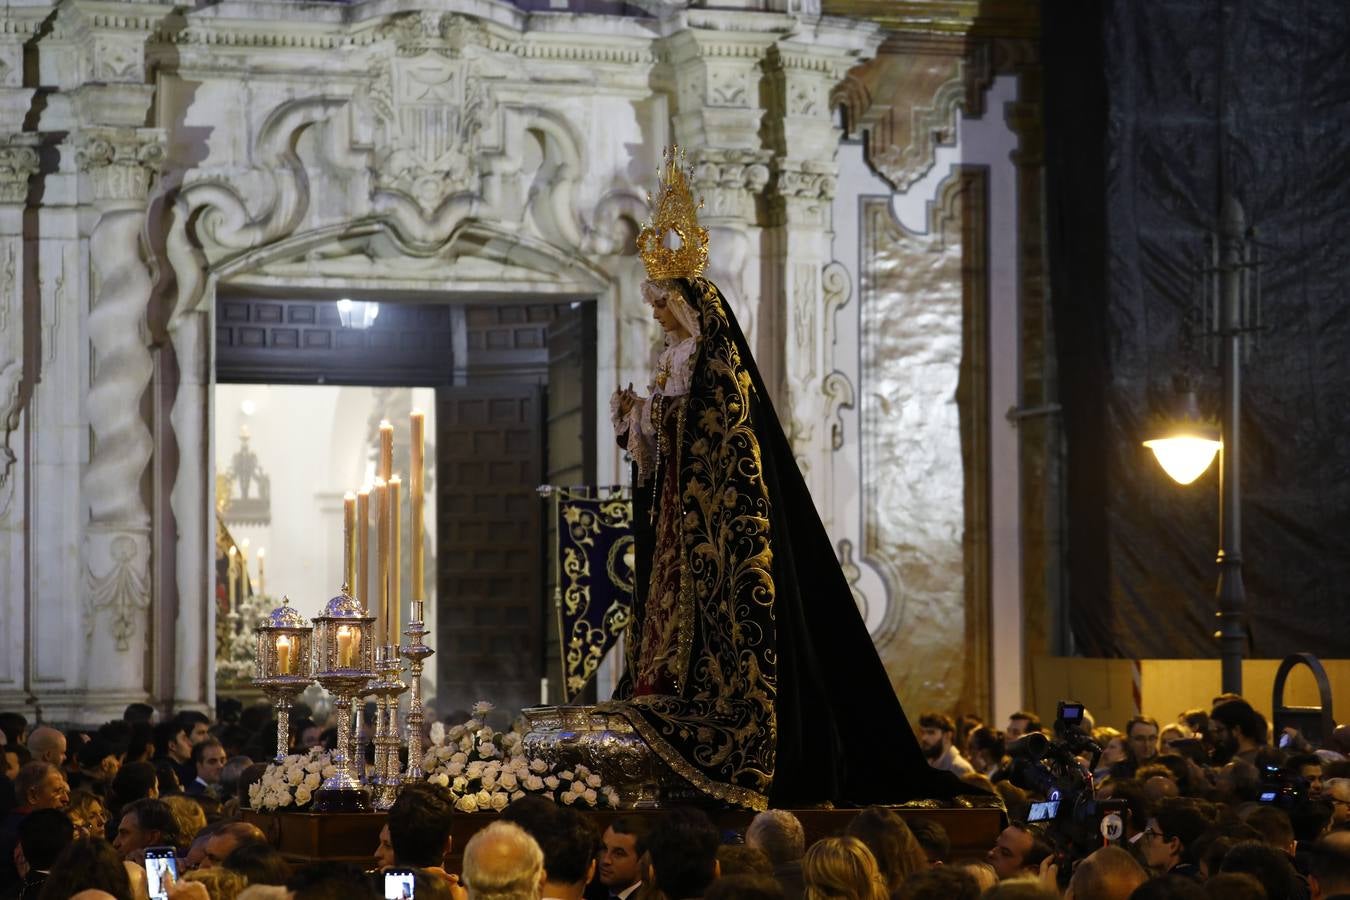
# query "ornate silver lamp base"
(343, 791)
(607, 744)
(281, 690)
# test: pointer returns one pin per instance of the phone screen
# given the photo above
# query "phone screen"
(398, 884)
(159, 861)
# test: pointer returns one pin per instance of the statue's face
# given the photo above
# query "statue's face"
(659, 298)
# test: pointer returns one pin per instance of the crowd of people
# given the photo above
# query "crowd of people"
(1207, 807)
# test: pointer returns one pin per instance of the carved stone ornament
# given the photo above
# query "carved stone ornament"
(120, 162)
(18, 163)
(729, 179)
(123, 591)
(433, 107)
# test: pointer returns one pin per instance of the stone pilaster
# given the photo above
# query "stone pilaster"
(18, 163)
(800, 72)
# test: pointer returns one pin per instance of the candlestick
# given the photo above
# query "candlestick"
(386, 449)
(262, 552)
(232, 579)
(348, 639)
(362, 586)
(284, 655)
(417, 497)
(382, 572)
(349, 543)
(395, 562)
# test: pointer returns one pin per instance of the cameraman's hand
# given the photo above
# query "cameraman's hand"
(1049, 875)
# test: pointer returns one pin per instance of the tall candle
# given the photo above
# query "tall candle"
(386, 450)
(417, 496)
(395, 560)
(283, 655)
(262, 552)
(348, 639)
(382, 572)
(349, 543)
(232, 579)
(362, 586)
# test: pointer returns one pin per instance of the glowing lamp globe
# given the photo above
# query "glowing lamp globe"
(1184, 457)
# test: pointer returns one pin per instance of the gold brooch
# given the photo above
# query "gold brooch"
(674, 212)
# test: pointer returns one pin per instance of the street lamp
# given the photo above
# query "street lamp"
(1187, 450)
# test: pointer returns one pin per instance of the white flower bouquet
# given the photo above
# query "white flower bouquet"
(293, 783)
(486, 769)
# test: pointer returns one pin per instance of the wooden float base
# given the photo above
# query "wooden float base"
(352, 837)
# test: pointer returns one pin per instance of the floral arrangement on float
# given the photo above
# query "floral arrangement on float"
(485, 770)
(291, 784)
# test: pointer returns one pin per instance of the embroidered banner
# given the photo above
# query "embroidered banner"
(595, 581)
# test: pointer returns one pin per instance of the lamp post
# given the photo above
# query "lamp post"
(1188, 451)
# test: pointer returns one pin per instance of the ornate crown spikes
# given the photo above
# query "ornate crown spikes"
(674, 211)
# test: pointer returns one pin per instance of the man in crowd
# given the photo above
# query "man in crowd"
(208, 758)
(419, 828)
(48, 745)
(173, 747)
(1237, 731)
(936, 732)
(145, 823)
(42, 837)
(1141, 736)
(621, 849)
(1108, 874)
(1019, 850)
(38, 786)
(683, 848)
(1335, 791)
(503, 862)
(1166, 840)
(779, 835)
(227, 839)
(196, 725)
(1307, 768)
(1020, 723)
(1329, 870)
(985, 749)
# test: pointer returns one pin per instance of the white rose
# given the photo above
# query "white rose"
(538, 765)
(472, 725)
(312, 781)
(255, 792)
(283, 799)
(551, 782)
(499, 801)
(582, 771)
(454, 734)
(466, 743)
(459, 785)
(568, 798)
(508, 780)
(484, 799)
(516, 795)
(302, 795)
(511, 740)
(468, 803)
(612, 796)
(441, 779)
(482, 708)
(460, 758)
(534, 783)
(455, 768)
(566, 775)
(591, 797)
(474, 770)
(488, 751)
(489, 781)
(295, 775)
(444, 752)
(593, 781)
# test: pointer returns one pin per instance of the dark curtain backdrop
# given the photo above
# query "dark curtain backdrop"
(1133, 157)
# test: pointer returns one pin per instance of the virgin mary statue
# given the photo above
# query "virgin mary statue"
(749, 669)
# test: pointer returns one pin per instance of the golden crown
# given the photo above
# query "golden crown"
(674, 211)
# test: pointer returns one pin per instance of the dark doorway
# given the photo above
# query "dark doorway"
(515, 388)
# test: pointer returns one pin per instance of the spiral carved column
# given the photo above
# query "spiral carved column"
(118, 164)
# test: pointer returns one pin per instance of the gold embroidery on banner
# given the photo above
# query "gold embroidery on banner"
(585, 643)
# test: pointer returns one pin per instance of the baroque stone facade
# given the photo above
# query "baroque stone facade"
(438, 148)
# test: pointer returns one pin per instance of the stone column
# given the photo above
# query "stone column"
(794, 359)
(118, 164)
